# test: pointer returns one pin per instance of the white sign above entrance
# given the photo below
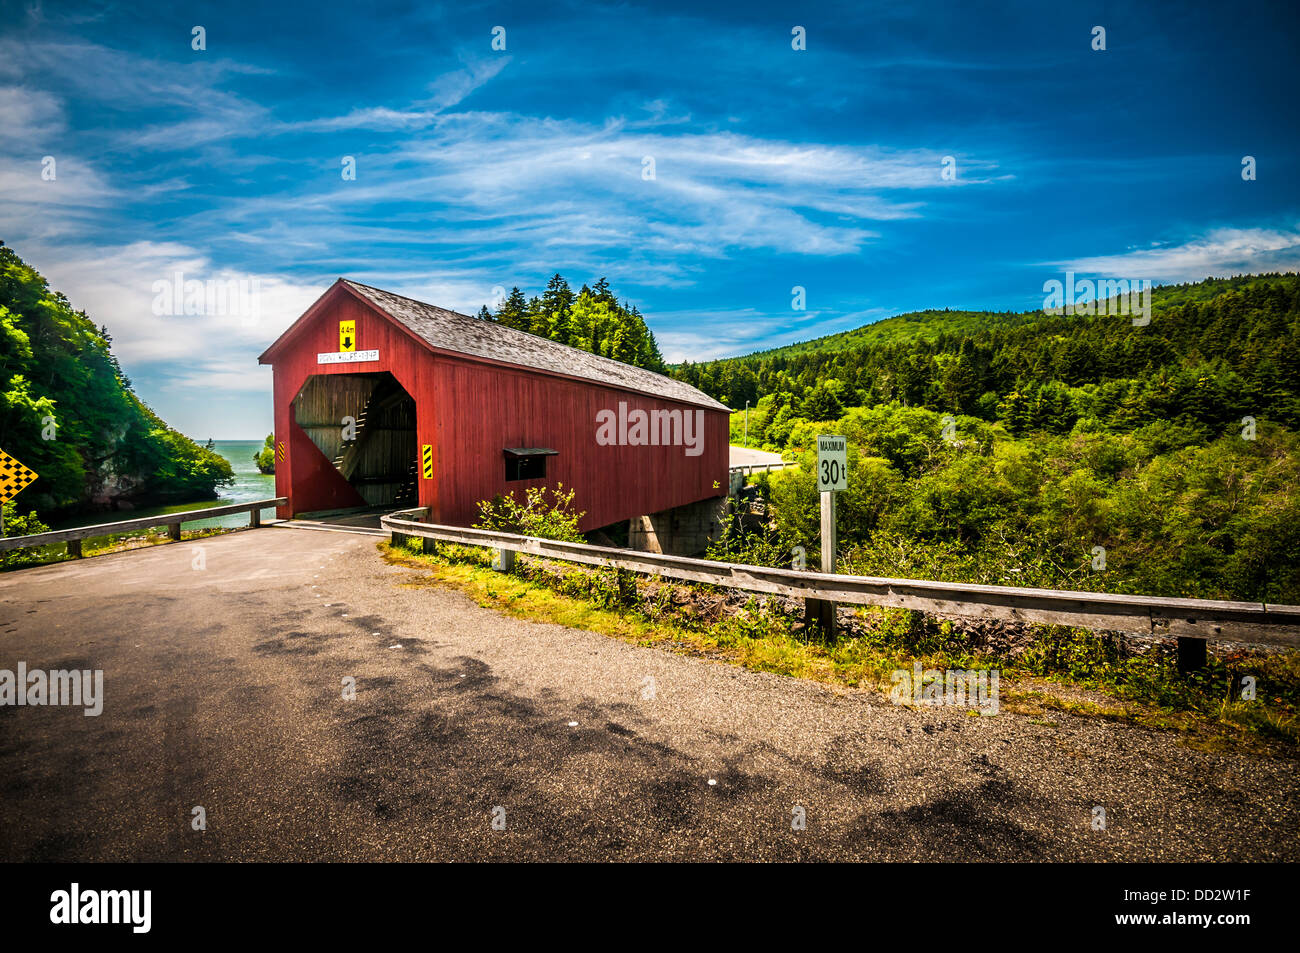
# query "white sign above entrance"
(346, 357)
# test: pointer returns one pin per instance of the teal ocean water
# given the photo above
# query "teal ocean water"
(249, 485)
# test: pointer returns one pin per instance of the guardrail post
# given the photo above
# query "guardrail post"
(821, 613)
(74, 548)
(1191, 654)
(428, 546)
(626, 587)
(174, 531)
(254, 519)
(1235, 684)
(505, 560)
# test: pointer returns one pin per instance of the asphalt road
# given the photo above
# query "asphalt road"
(749, 457)
(223, 690)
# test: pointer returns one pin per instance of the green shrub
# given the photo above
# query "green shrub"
(533, 516)
(265, 458)
(21, 524)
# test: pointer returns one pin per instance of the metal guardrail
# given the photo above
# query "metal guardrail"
(1204, 619)
(172, 521)
(749, 468)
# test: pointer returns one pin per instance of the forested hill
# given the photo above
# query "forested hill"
(1214, 351)
(1069, 452)
(68, 412)
(915, 325)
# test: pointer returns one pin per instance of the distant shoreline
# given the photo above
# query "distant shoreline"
(249, 485)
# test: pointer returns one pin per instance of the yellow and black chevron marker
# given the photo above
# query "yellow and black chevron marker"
(13, 477)
(279, 451)
(426, 459)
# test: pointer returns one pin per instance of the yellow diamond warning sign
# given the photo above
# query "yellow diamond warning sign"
(347, 335)
(13, 477)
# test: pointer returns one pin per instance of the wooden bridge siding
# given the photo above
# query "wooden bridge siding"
(487, 407)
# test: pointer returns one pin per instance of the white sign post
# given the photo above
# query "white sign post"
(832, 477)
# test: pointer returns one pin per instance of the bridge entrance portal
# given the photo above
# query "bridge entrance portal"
(364, 424)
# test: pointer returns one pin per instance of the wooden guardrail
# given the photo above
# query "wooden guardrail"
(1188, 620)
(172, 521)
(749, 468)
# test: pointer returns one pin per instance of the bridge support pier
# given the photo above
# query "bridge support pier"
(681, 531)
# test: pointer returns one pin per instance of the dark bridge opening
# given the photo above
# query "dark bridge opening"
(365, 425)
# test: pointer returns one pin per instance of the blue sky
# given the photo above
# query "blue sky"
(479, 168)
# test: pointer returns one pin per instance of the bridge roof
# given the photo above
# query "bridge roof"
(451, 331)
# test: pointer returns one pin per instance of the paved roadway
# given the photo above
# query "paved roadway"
(749, 457)
(223, 690)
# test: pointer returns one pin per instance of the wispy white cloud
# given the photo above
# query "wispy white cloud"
(446, 91)
(116, 286)
(29, 116)
(124, 79)
(517, 182)
(521, 187)
(455, 86)
(473, 188)
(727, 333)
(1218, 253)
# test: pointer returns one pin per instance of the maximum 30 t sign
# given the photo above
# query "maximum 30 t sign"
(832, 464)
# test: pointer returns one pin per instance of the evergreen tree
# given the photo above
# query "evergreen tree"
(539, 322)
(556, 301)
(592, 320)
(513, 312)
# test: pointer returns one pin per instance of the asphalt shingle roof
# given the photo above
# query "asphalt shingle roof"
(451, 331)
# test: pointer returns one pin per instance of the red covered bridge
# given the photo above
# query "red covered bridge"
(382, 401)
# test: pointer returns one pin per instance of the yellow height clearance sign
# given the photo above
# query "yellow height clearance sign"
(14, 477)
(347, 335)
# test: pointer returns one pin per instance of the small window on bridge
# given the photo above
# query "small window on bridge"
(527, 463)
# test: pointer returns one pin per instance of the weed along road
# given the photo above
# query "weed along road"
(223, 689)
